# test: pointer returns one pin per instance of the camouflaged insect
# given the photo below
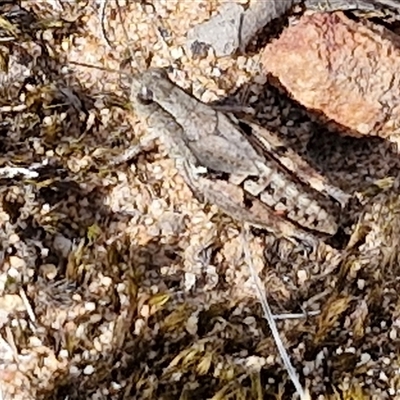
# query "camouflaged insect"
(252, 178)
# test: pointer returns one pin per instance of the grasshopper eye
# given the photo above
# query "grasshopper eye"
(145, 95)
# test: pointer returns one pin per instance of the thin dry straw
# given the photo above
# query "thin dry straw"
(304, 395)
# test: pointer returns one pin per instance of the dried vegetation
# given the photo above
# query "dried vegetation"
(115, 283)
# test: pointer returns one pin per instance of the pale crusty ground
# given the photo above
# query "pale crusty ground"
(116, 283)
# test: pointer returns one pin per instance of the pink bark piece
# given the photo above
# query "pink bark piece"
(348, 70)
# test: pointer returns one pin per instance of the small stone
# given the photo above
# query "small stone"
(49, 271)
(35, 342)
(351, 350)
(106, 281)
(250, 320)
(139, 325)
(364, 359)
(302, 276)
(74, 370)
(145, 311)
(176, 53)
(47, 121)
(270, 360)
(190, 280)
(393, 334)
(116, 386)
(339, 351)
(13, 239)
(88, 370)
(13, 273)
(63, 245)
(97, 345)
(11, 303)
(383, 376)
(386, 360)
(16, 262)
(63, 353)
(191, 324)
(90, 306)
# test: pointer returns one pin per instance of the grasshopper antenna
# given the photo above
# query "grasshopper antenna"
(102, 13)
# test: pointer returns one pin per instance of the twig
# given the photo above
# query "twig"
(304, 395)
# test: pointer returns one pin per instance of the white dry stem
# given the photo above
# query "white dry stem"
(12, 172)
(296, 316)
(27, 305)
(304, 395)
(18, 108)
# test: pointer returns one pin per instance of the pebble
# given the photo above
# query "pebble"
(88, 370)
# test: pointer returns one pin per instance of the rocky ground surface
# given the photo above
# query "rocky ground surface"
(115, 282)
